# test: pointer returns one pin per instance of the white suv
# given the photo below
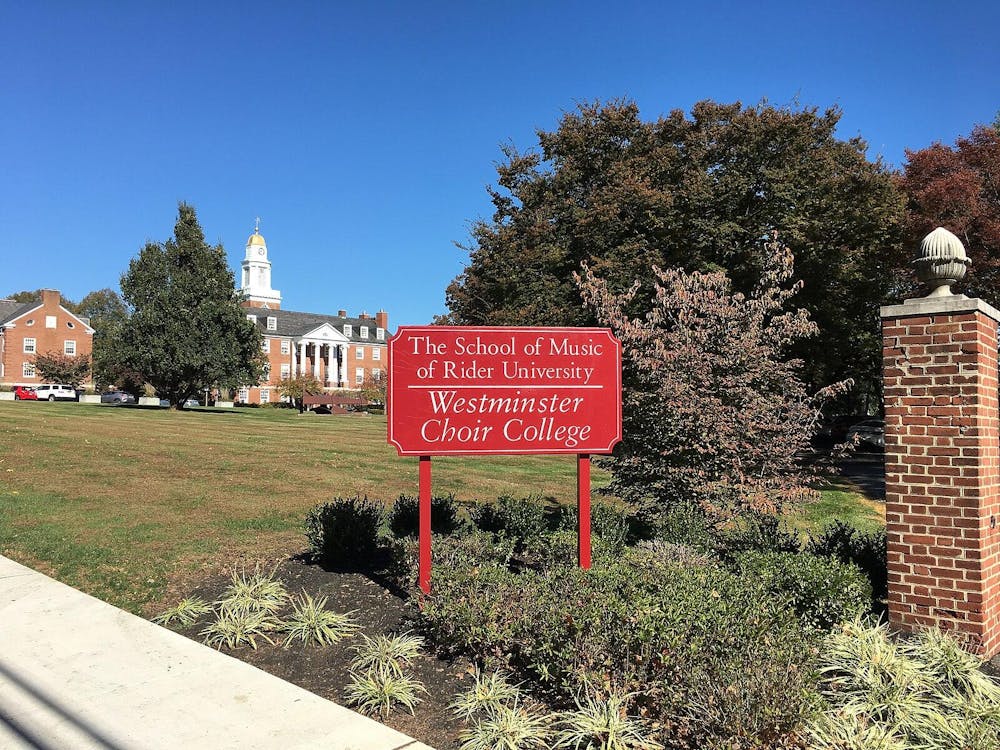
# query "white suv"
(56, 392)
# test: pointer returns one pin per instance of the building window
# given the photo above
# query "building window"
(286, 370)
(377, 376)
(380, 334)
(50, 321)
(29, 322)
(267, 372)
(69, 324)
(28, 370)
(376, 353)
(272, 323)
(363, 331)
(252, 318)
(265, 395)
(359, 352)
(265, 346)
(243, 396)
(29, 346)
(348, 330)
(69, 347)
(359, 376)
(286, 346)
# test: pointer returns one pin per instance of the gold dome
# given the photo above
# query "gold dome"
(255, 239)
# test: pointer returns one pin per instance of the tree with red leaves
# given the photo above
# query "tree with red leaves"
(958, 187)
(715, 411)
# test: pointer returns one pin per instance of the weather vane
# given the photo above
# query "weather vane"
(256, 226)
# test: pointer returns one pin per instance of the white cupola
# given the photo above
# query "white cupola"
(256, 284)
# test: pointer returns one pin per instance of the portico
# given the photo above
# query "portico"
(322, 353)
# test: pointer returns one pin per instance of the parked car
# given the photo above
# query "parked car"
(56, 392)
(25, 393)
(869, 434)
(117, 397)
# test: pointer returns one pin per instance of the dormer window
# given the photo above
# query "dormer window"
(348, 330)
(272, 323)
(380, 334)
(252, 318)
(363, 330)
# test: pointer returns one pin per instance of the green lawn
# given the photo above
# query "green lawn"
(129, 504)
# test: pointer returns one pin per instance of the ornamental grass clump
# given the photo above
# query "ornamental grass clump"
(389, 653)
(184, 613)
(378, 674)
(234, 628)
(310, 622)
(604, 724)
(253, 592)
(924, 693)
(508, 727)
(489, 692)
(378, 690)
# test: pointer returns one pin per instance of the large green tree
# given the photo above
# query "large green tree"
(183, 328)
(702, 192)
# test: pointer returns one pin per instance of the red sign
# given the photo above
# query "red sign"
(456, 390)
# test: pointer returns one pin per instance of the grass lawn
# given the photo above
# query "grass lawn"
(126, 503)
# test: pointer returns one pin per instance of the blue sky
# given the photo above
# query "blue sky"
(364, 134)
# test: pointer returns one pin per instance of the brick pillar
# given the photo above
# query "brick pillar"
(942, 469)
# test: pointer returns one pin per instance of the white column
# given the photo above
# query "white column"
(291, 359)
(316, 361)
(340, 364)
(329, 363)
(302, 358)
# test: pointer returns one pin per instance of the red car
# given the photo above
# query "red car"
(25, 393)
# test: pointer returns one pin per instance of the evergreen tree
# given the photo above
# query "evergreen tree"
(183, 329)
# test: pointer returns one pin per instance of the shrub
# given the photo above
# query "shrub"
(925, 692)
(612, 525)
(561, 548)
(669, 634)
(846, 543)
(522, 519)
(822, 591)
(756, 532)
(404, 516)
(682, 523)
(344, 529)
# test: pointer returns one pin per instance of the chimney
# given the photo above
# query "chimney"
(382, 319)
(341, 313)
(50, 298)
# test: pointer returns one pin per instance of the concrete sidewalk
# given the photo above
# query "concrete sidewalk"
(77, 673)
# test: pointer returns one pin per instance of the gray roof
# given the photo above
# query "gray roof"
(295, 324)
(9, 309)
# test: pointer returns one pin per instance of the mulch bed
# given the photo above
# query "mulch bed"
(379, 607)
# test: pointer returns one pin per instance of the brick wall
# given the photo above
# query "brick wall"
(942, 467)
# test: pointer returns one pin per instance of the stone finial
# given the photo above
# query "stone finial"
(941, 262)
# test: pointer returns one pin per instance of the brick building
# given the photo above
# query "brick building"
(339, 351)
(30, 328)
